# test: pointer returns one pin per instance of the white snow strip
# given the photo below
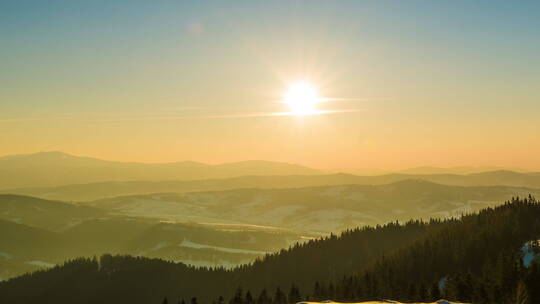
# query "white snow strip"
(383, 301)
(40, 263)
(186, 243)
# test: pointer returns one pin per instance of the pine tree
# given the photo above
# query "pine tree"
(533, 282)
(317, 292)
(422, 293)
(263, 298)
(279, 297)
(294, 295)
(249, 298)
(522, 294)
(238, 297)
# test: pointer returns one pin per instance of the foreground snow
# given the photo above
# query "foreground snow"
(530, 252)
(387, 301)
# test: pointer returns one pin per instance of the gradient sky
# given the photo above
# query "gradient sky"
(443, 83)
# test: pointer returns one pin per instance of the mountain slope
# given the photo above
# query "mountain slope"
(478, 259)
(57, 168)
(401, 256)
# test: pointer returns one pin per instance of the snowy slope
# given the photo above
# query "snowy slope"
(386, 302)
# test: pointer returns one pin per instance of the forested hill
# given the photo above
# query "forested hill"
(476, 257)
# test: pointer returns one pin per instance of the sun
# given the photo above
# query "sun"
(302, 98)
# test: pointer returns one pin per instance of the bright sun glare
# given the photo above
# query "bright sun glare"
(302, 98)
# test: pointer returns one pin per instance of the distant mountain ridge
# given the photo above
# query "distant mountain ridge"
(107, 189)
(58, 168)
(457, 170)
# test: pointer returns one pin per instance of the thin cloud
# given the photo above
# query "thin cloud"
(278, 114)
(111, 118)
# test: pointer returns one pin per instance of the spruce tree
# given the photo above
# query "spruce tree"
(279, 297)
(522, 293)
(263, 298)
(294, 294)
(249, 298)
(238, 297)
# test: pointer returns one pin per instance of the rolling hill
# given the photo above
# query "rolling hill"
(323, 209)
(100, 190)
(36, 233)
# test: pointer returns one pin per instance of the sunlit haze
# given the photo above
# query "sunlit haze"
(327, 84)
(270, 152)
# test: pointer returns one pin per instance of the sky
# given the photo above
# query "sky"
(406, 83)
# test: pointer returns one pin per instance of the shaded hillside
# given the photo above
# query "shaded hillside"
(47, 214)
(100, 190)
(24, 248)
(395, 261)
(57, 168)
(315, 209)
(20, 240)
(125, 279)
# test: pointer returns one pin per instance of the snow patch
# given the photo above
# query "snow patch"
(385, 301)
(40, 263)
(187, 243)
(530, 252)
(201, 263)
